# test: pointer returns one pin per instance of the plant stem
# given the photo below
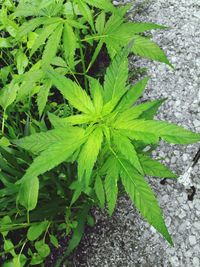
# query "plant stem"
(3, 123)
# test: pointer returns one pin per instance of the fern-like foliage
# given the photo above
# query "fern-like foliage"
(104, 137)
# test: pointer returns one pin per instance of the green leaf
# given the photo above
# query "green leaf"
(127, 30)
(42, 248)
(72, 92)
(69, 45)
(127, 149)
(4, 43)
(29, 26)
(96, 91)
(22, 61)
(28, 194)
(110, 183)
(42, 96)
(52, 46)
(9, 247)
(154, 168)
(36, 230)
(151, 109)
(79, 231)
(101, 4)
(143, 198)
(146, 48)
(169, 132)
(54, 241)
(86, 12)
(43, 36)
(100, 23)
(116, 77)
(56, 154)
(99, 190)
(8, 95)
(133, 94)
(89, 154)
(39, 142)
(5, 221)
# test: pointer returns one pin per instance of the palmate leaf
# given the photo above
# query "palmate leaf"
(167, 131)
(154, 168)
(89, 154)
(143, 198)
(72, 92)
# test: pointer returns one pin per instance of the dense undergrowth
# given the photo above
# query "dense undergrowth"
(70, 130)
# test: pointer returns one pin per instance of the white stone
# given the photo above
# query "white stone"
(192, 240)
(196, 262)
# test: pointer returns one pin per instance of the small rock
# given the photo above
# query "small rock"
(196, 262)
(174, 261)
(192, 240)
(197, 225)
(173, 160)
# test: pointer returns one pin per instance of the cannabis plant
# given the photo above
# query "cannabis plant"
(69, 140)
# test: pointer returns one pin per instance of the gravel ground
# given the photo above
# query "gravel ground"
(126, 240)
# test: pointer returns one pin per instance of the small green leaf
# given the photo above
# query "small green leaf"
(86, 12)
(146, 48)
(42, 37)
(42, 248)
(22, 61)
(8, 95)
(4, 43)
(36, 230)
(52, 46)
(169, 132)
(69, 45)
(127, 149)
(110, 184)
(144, 199)
(72, 92)
(28, 194)
(133, 94)
(99, 189)
(6, 220)
(97, 94)
(42, 96)
(54, 241)
(154, 168)
(88, 155)
(100, 23)
(9, 247)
